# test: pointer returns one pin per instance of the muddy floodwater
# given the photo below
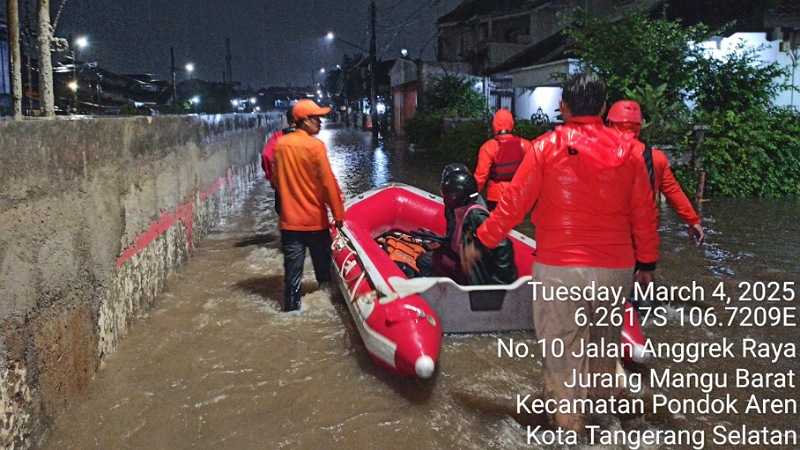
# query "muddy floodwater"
(216, 364)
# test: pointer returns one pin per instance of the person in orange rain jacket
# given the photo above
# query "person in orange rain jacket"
(499, 158)
(268, 155)
(626, 116)
(592, 194)
(305, 182)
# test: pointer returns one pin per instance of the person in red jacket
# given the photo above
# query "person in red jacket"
(307, 187)
(268, 155)
(499, 158)
(626, 116)
(591, 192)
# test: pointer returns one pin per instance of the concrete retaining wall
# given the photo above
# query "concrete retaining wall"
(94, 214)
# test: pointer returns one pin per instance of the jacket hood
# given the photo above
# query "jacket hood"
(503, 120)
(598, 147)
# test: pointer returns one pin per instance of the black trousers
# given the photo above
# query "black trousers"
(294, 256)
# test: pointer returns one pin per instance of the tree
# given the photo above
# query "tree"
(737, 82)
(454, 96)
(635, 51)
(748, 149)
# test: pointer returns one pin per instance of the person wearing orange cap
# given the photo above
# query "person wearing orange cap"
(626, 116)
(499, 158)
(307, 187)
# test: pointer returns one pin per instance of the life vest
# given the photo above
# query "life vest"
(508, 159)
(461, 214)
(402, 249)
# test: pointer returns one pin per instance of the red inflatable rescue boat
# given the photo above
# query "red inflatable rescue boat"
(401, 320)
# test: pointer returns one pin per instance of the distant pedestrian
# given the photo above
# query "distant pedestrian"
(499, 158)
(268, 155)
(307, 187)
(626, 116)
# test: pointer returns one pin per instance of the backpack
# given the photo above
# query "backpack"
(648, 161)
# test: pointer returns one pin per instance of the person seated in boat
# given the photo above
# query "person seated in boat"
(449, 216)
(441, 260)
(492, 266)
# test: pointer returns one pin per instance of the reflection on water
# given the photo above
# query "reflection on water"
(217, 365)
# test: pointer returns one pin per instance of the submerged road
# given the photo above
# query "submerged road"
(215, 364)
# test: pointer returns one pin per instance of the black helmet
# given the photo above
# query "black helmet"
(453, 168)
(459, 189)
(290, 116)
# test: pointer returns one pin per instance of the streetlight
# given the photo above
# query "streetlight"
(79, 43)
(332, 37)
(189, 70)
(373, 63)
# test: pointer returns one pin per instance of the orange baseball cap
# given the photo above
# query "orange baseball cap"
(306, 108)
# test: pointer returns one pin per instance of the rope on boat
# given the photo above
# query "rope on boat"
(346, 265)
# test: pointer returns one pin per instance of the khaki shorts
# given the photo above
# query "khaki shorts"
(555, 321)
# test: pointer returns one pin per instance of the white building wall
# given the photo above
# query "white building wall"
(528, 101)
(767, 52)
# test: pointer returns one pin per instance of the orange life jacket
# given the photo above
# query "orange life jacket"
(508, 159)
(402, 248)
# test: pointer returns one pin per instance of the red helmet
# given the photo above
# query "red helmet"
(625, 111)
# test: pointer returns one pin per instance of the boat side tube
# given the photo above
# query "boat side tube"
(401, 334)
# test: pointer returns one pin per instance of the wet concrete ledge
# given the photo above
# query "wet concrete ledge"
(94, 214)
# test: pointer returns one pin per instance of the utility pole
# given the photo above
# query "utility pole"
(174, 91)
(373, 67)
(228, 59)
(46, 96)
(15, 60)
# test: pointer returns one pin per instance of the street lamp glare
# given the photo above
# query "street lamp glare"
(196, 99)
(330, 36)
(73, 86)
(81, 42)
(404, 52)
(190, 67)
(322, 70)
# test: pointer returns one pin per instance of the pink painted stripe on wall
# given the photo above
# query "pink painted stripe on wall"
(182, 212)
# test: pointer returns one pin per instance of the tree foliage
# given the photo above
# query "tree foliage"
(753, 153)
(636, 51)
(664, 122)
(739, 82)
(749, 149)
(454, 96)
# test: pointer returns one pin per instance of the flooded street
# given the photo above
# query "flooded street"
(216, 364)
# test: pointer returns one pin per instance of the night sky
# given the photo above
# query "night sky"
(273, 42)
